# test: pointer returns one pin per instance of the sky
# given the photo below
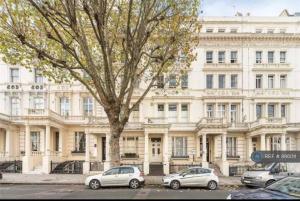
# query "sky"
(254, 7)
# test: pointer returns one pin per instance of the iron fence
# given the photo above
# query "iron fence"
(178, 167)
(11, 166)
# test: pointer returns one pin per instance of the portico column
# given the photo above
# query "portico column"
(283, 142)
(268, 143)
(263, 142)
(8, 142)
(224, 147)
(60, 142)
(27, 141)
(197, 141)
(146, 154)
(204, 151)
(179, 112)
(86, 168)
(107, 155)
(26, 161)
(166, 153)
(249, 148)
(48, 140)
(225, 164)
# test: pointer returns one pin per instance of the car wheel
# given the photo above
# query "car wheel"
(212, 185)
(94, 184)
(175, 185)
(268, 183)
(134, 184)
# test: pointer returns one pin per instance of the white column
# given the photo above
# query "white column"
(197, 141)
(225, 164)
(224, 147)
(268, 143)
(27, 141)
(107, 157)
(48, 140)
(283, 143)
(8, 142)
(146, 154)
(249, 148)
(166, 112)
(263, 142)
(179, 112)
(204, 151)
(86, 165)
(166, 153)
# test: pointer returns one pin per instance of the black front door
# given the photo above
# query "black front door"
(207, 150)
(103, 148)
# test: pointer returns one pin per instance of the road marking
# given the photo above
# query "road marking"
(142, 194)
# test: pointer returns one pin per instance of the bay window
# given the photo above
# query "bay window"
(179, 147)
(80, 144)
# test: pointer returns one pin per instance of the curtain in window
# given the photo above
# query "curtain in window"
(80, 141)
(179, 146)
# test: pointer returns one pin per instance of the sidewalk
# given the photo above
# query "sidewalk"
(11, 178)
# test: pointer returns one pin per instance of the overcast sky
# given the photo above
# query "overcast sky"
(254, 7)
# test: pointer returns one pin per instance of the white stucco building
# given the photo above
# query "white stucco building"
(242, 94)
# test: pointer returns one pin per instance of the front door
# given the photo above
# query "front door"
(155, 153)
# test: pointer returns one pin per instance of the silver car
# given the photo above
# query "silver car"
(192, 177)
(117, 176)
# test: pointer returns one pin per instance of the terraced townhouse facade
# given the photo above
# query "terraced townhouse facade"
(241, 94)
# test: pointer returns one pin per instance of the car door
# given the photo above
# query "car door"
(110, 177)
(188, 179)
(124, 175)
(203, 176)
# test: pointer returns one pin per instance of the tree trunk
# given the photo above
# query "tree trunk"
(114, 146)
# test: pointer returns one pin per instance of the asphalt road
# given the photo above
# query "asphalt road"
(14, 191)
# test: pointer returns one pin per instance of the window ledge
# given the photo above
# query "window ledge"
(78, 152)
(180, 157)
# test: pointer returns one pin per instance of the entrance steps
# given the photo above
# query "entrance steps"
(216, 168)
(156, 169)
(36, 170)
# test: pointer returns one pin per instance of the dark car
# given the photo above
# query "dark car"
(286, 188)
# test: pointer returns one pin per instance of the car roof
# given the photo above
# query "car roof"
(199, 167)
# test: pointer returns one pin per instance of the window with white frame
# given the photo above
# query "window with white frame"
(161, 110)
(15, 106)
(233, 57)
(172, 81)
(209, 57)
(184, 81)
(38, 76)
(283, 110)
(64, 106)
(80, 144)
(210, 110)
(270, 81)
(233, 30)
(209, 30)
(258, 81)
(258, 59)
(209, 81)
(275, 143)
(160, 82)
(172, 112)
(35, 141)
(221, 57)
(179, 147)
(283, 84)
(271, 110)
(221, 30)
(233, 113)
(270, 57)
(259, 108)
(14, 75)
(222, 110)
(38, 103)
(130, 144)
(270, 31)
(221, 81)
(282, 56)
(233, 81)
(136, 113)
(231, 143)
(184, 112)
(87, 106)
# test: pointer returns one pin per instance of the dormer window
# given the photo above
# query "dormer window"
(209, 30)
(221, 30)
(270, 31)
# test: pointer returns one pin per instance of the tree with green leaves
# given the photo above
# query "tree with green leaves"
(107, 45)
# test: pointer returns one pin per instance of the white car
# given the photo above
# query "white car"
(192, 177)
(117, 176)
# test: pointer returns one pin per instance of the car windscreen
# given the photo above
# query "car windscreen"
(289, 185)
(261, 167)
